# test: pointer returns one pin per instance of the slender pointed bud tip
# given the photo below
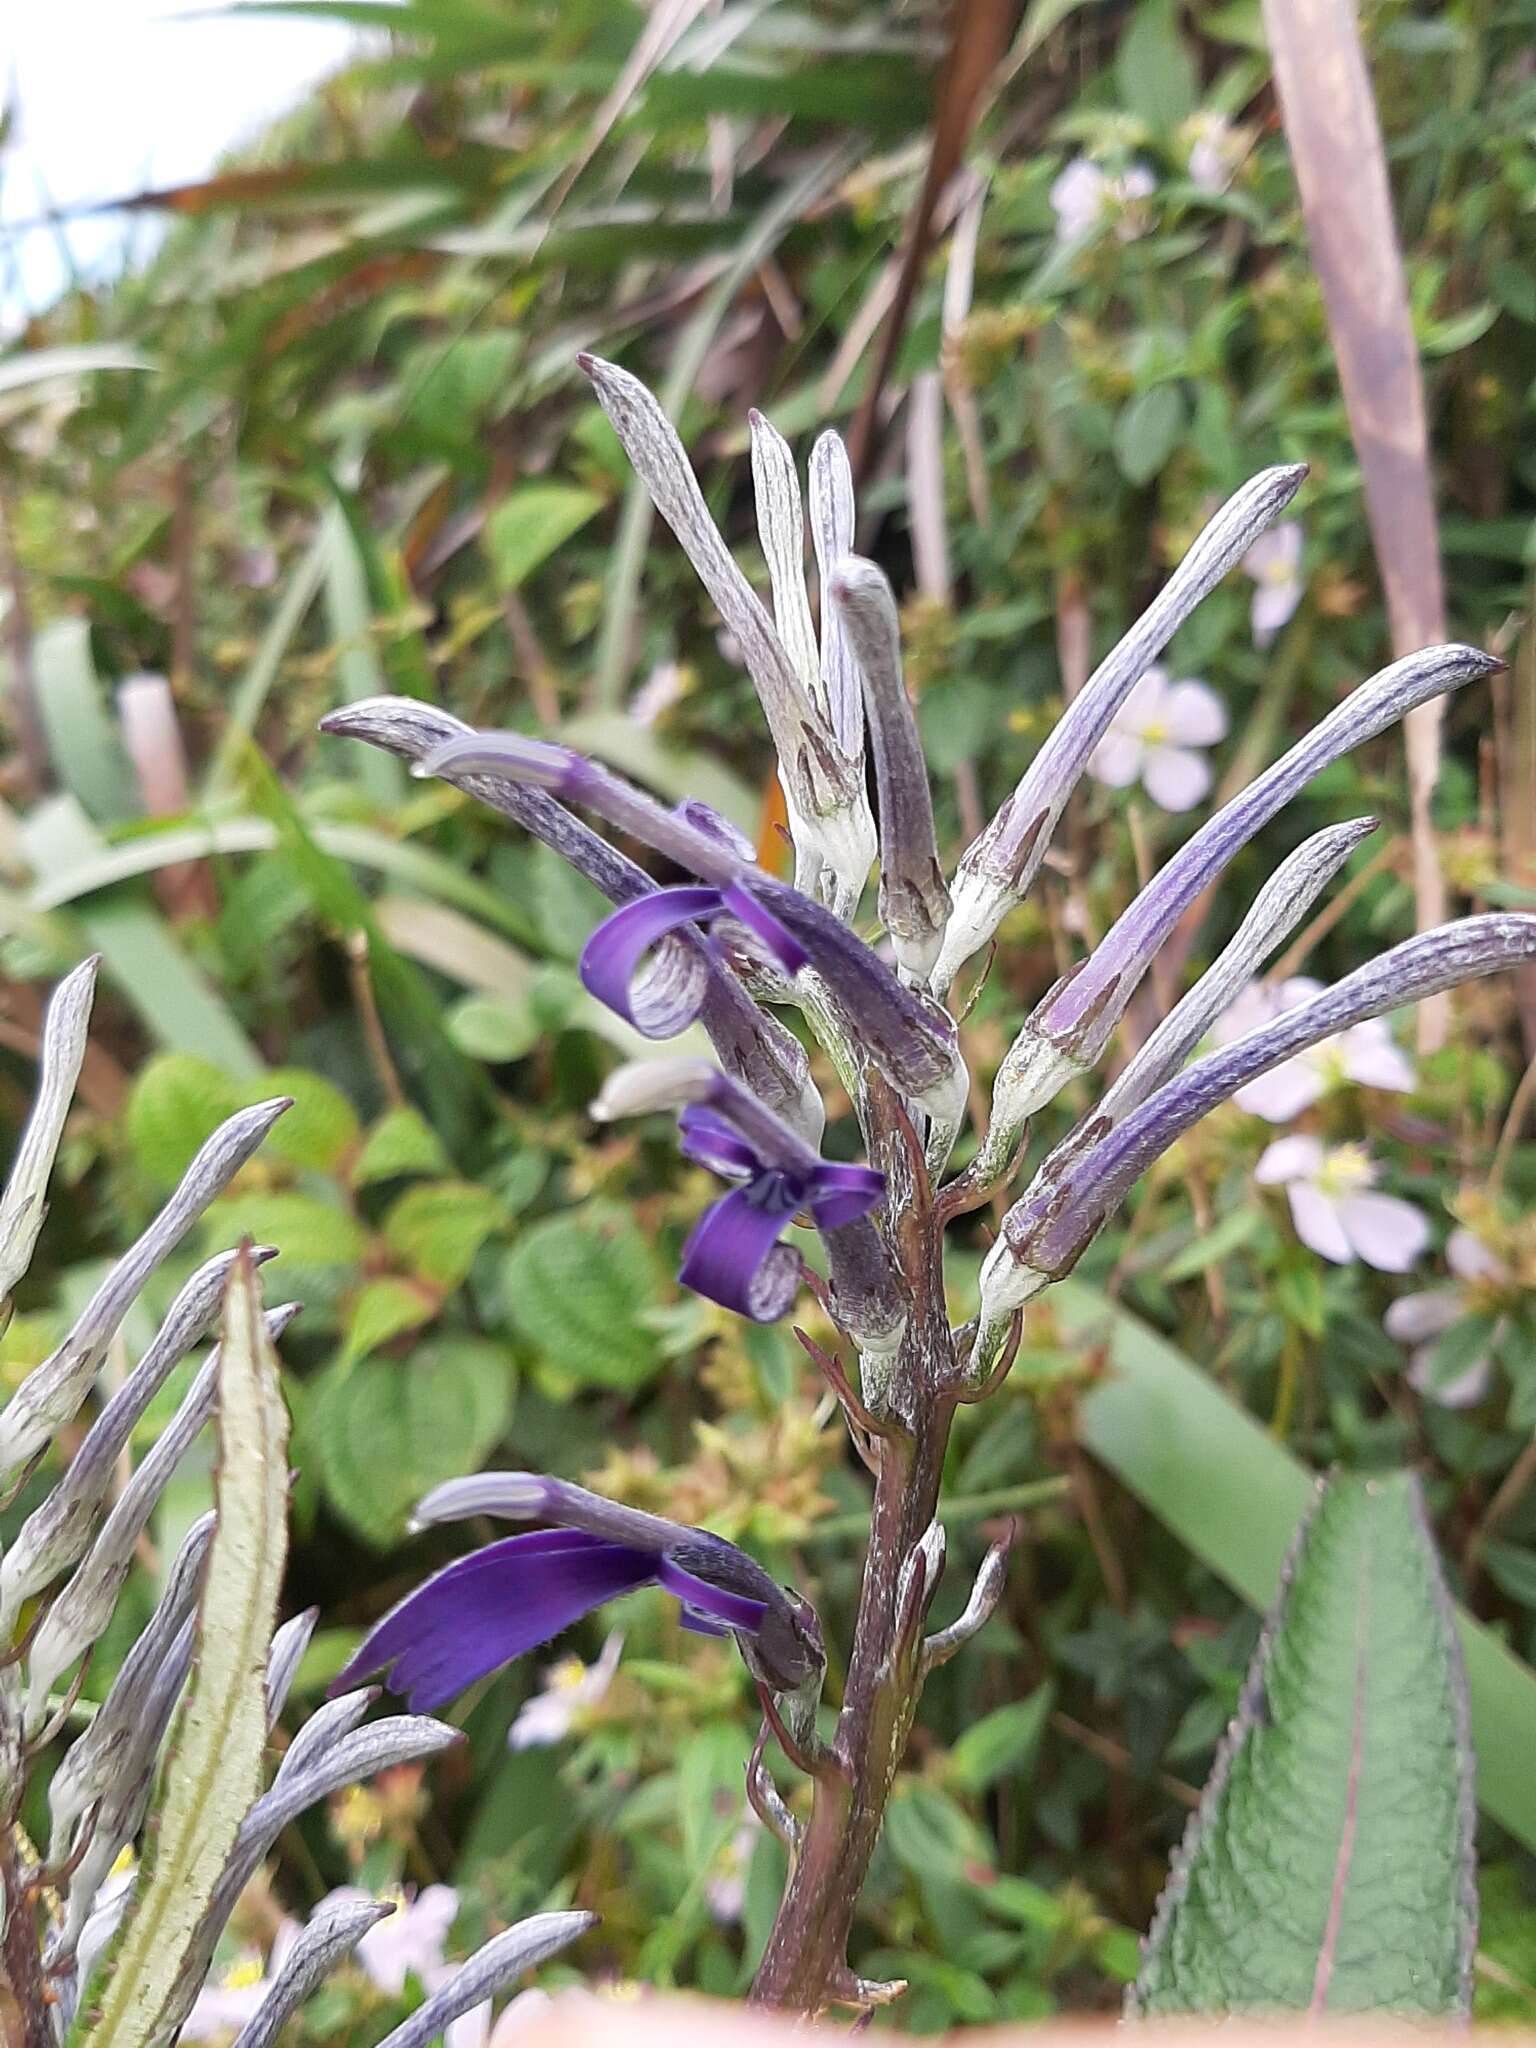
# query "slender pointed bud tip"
(645, 1085)
(586, 363)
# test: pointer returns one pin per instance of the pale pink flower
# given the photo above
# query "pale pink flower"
(1156, 737)
(1274, 563)
(235, 1994)
(1216, 149)
(413, 1942)
(1334, 1206)
(571, 1689)
(1365, 1054)
(1084, 194)
(725, 1889)
(1421, 1320)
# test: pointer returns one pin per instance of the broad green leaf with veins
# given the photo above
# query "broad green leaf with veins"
(1330, 1866)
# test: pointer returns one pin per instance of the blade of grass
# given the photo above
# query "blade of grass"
(1331, 125)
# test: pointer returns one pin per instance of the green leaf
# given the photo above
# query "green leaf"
(214, 1772)
(1465, 1344)
(82, 738)
(1330, 1866)
(401, 1142)
(1155, 71)
(385, 1308)
(388, 1430)
(1213, 1245)
(526, 528)
(320, 1129)
(1512, 1570)
(437, 1228)
(575, 1288)
(488, 1029)
(1223, 1486)
(308, 1231)
(1003, 1741)
(177, 1102)
(1147, 431)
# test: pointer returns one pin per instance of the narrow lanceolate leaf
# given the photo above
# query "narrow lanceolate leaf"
(214, 1773)
(1330, 1865)
(24, 1203)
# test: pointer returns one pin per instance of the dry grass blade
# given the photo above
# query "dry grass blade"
(1335, 140)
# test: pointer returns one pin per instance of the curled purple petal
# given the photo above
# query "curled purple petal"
(490, 1607)
(704, 817)
(841, 1194)
(734, 1256)
(710, 1141)
(734, 1610)
(665, 998)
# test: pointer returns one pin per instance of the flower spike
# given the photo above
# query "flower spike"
(914, 902)
(1046, 1232)
(1000, 863)
(500, 1602)
(823, 785)
(1072, 1025)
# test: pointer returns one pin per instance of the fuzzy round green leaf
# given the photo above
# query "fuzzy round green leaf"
(575, 1288)
(177, 1102)
(320, 1128)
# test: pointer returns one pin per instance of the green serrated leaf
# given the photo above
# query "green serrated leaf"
(437, 1228)
(1330, 1866)
(400, 1143)
(214, 1771)
(178, 1101)
(388, 1430)
(322, 1125)
(309, 1232)
(576, 1287)
(526, 528)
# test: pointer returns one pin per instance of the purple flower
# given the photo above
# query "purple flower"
(1335, 1207)
(500, 1602)
(910, 1037)
(734, 1255)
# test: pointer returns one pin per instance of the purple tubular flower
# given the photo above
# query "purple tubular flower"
(823, 784)
(734, 1255)
(1000, 863)
(685, 978)
(1049, 1229)
(914, 901)
(500, 1602)
(910, 1038)
(1080, 1014)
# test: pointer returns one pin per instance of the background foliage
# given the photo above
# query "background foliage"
(328, 440)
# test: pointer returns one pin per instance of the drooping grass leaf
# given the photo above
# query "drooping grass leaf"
(214, 1771)
(1330, 1865)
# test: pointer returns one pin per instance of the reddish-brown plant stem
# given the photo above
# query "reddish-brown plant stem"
(23, 1959)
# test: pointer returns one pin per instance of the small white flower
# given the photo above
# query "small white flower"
(235, 1995)
(1155, 737)
(726, 1888)
(664, 687)
(413, 1942)
(1215, 150)
(1365, 1054)
(1334, 1206)
(1083, 195)
(1274, 563)
(570, 1689)
(1421, 1320)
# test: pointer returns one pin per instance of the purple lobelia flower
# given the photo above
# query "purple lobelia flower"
(500, 1602)
(734, 1255)
(900, 1029)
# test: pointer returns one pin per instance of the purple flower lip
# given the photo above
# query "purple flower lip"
(506, 1599)
(619, 967)
(734, 1256)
